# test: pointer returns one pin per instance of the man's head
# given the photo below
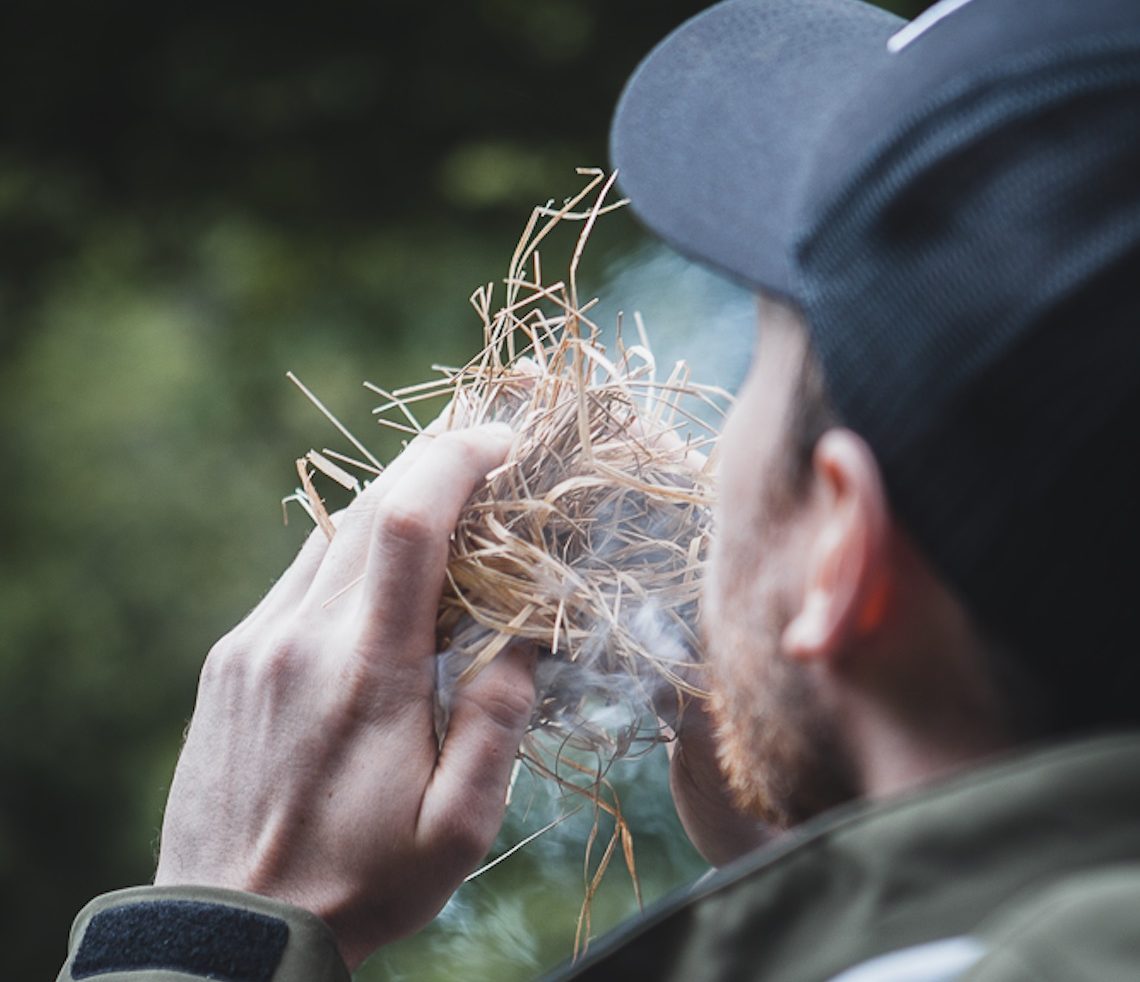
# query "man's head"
(954, 206)
(780, 745)
(830, 635)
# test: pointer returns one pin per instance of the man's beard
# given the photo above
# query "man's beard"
(777, 744)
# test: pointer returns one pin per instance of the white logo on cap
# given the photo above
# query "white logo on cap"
(923, 23)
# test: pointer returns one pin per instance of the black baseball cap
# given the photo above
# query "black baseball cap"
(954, 204)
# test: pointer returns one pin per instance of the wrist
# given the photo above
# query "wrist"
(195, 932)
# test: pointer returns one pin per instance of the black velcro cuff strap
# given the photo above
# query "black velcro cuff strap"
(205, 939)
(194, 932)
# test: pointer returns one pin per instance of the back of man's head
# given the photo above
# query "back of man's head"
(955, 206)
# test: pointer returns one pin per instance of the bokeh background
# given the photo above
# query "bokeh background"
(195, 198)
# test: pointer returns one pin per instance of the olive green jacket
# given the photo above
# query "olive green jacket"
(1025, 869)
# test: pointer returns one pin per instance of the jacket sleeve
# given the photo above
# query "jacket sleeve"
(170, 934)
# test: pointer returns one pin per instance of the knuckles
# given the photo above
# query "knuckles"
(462, 838)
(506, 703)
(412, 525)
(467, 448)
(243, 660)
(281, 663)
(224, 662)
(417, 523)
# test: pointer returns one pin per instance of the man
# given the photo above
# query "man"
(922, 604)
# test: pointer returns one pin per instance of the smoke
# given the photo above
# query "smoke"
(690, 315)
(693, 316)
(600, 698)
(524, 903)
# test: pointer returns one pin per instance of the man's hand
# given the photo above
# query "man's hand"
(311, 771)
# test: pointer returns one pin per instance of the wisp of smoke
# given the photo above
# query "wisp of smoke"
(589, 543)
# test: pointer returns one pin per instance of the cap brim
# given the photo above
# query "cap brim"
(716, 129)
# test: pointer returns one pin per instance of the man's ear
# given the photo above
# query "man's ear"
(848, 575)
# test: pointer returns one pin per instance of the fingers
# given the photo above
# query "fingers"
(670, 440)
(344, 561)
(412, 528)
(464, 803)
(292, 586)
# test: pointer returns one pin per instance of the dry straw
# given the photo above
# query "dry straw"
(590, 541)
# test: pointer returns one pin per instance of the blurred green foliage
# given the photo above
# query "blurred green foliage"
(194, 199)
